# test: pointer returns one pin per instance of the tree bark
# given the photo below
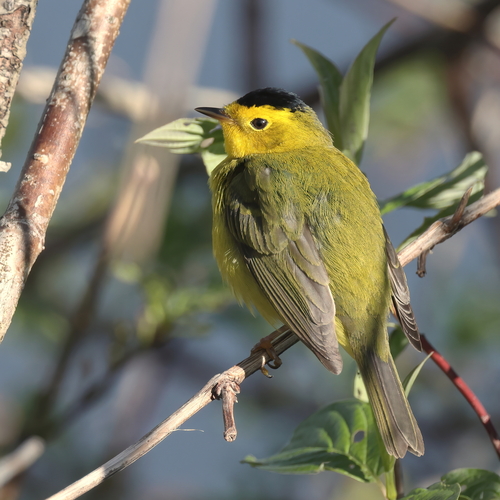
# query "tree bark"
(16, 20)
(24, 224)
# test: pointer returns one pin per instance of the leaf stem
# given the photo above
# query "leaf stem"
(390, 485)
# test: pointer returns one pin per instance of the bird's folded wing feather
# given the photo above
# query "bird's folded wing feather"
(281, 254)
(401, 296)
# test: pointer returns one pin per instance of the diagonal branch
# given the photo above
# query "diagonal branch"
(24, 224)
(442, 229)
(16, 19)
(437, 233)
(206, 395)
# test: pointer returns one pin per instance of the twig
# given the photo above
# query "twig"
(434, 235)
(442, 229)
(421, 263)
(453, 223)
(452, 227)
(226, 390)
(205, 396)
(20, 459)
(466, 391)
(24, 224)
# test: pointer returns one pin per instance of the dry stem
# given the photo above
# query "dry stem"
(236, 374)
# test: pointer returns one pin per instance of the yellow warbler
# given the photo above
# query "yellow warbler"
(297, 234)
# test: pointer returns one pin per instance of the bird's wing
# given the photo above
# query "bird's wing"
(401, 296)
(281, 254)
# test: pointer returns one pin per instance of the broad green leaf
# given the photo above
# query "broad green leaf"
(476, 484)
(342, 437)
(355, 92)
(330, 79)
(213, 153)
(412, 376)
(182, 136)
(443, 191)
(438, 491)
(190, 135)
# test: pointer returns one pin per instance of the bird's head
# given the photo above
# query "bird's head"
(268, 120)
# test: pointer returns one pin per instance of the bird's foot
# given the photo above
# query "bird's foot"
(266, 344)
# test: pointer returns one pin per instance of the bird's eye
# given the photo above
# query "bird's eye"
(259, 123)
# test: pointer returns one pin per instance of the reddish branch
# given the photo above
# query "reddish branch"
(466, 391)
(24, 224)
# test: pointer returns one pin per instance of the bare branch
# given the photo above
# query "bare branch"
(20, 459)
(442, 229)
(16, 19)
(23, 226)
(236, 374)
(437, 233)
(226, 390)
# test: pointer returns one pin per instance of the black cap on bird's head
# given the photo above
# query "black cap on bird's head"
(271, 96)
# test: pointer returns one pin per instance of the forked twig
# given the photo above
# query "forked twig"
(452, 226)
(235, 374)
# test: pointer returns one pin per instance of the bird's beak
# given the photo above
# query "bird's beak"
(217, 113)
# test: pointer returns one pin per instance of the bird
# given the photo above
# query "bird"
(298, 236)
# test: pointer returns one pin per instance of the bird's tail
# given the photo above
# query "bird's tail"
(395, 420)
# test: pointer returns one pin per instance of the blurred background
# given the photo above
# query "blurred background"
(124, 316)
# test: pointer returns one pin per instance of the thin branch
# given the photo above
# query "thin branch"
(466, 391)
(20, 459)
(236, 374)
(442, 229)
(451, 226)
(437, 233)
(24, 224)
(227, 391)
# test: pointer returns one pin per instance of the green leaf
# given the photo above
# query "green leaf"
(412, 376)
(190, 135)
(330, 79)
(438, 491)
(360, 388)
(213, 153)
(342, 437)
(355, 92)
(449, 189)
(477, 484)
(443, 191)
(181, 136)
(397, 341)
